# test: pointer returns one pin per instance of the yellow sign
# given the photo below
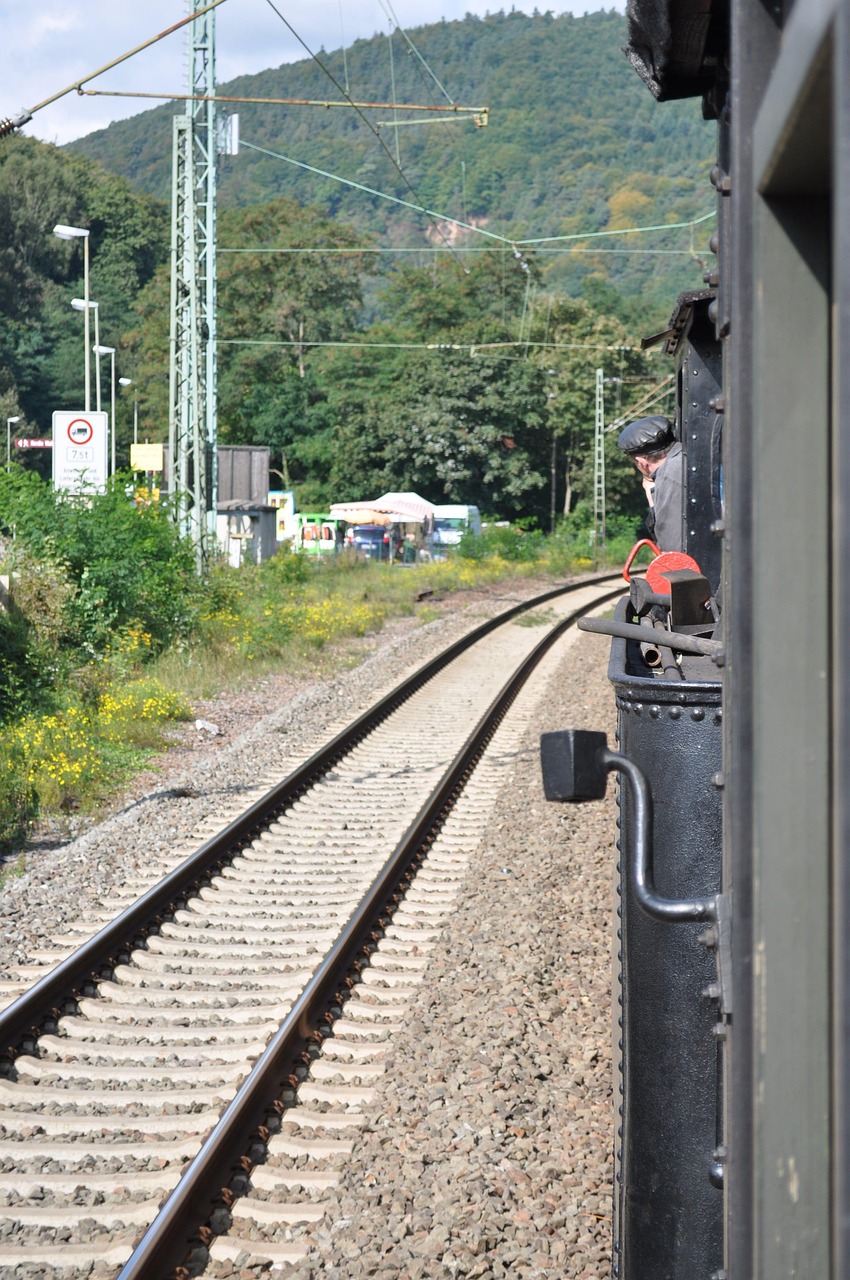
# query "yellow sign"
(146, 457)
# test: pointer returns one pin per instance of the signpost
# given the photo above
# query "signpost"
(23, 442)
(80, 451)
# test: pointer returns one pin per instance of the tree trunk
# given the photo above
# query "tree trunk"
(568, 495)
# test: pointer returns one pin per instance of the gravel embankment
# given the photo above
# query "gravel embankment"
(489, 1154)
(260, 730)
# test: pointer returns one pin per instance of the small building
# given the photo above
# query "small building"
(246, 531)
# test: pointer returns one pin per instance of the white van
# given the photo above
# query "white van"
(452, 522)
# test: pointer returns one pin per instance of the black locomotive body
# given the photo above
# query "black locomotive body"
(668, 1191)
(668, 1219)
(749, 828)
(668, 1206)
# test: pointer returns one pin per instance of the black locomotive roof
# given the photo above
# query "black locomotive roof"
(676, 46)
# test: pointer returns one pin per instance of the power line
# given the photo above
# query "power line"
(471, 347)
(365, 120)
(646, 401)
(387, 7)
(503, 249)
(468, 226)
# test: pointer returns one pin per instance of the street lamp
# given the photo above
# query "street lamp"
(9, 422)
(128, 382)
(80, 233)
(80, 304)
(108, 351)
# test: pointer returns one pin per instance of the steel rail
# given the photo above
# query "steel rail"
(223, 1157)
(21, 1021)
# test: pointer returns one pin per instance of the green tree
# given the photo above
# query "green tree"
(444, 403)
(41, 357)
(581, 340)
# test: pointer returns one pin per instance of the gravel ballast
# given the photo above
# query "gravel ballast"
(488, 1152)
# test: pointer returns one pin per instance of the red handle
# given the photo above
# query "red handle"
(644, 542)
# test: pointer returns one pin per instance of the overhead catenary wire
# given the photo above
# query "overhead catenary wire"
(387, 7)
(468, 226)
(394, 95)
(472, 347)
(436, 249)
(419, 206)
(344, 52)
(648, 401)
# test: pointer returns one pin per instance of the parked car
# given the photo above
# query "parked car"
(371, 540)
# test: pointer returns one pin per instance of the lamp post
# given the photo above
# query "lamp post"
(128, 382)
(80, 304)
(80, 233)
(109, 351)
(9, 422)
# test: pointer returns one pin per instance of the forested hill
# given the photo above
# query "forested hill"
(575, 144)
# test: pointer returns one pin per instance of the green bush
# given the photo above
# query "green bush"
(24, 679)
(18, 798)
(287, 568)
(511, 544)
(127, 565)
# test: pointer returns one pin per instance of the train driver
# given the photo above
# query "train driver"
(652, 446)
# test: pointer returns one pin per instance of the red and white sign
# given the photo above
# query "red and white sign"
(80, 451)
(80, 431)
(24, 443)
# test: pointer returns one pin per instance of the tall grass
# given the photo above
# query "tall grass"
(289, 614)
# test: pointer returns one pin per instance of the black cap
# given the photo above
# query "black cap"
(644, 435)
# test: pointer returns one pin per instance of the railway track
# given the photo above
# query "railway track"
(174, 1096)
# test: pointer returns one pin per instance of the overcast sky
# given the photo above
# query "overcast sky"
(45, 45)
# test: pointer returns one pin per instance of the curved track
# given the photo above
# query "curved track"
(189, 1041)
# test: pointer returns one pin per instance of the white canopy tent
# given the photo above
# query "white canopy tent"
(392, 508)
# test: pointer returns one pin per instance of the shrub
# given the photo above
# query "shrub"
(18, 797)
(127, 565)
(25, 678)
(286, 568)
(511, 544)
(66, 758)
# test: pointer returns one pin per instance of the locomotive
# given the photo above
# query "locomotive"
(668, 1010)
(732, 1006)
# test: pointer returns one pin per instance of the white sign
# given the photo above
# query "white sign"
(80, 451)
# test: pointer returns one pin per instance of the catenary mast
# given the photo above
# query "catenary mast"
(192, 428)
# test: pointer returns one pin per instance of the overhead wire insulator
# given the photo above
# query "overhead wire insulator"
(8, 123)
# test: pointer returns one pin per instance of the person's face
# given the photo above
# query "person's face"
(644, 466)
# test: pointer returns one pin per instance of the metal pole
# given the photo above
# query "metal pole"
(112, 419)
(86, 328)
(97, 344)
(553, 480)
(599, 472)
(9, 421)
